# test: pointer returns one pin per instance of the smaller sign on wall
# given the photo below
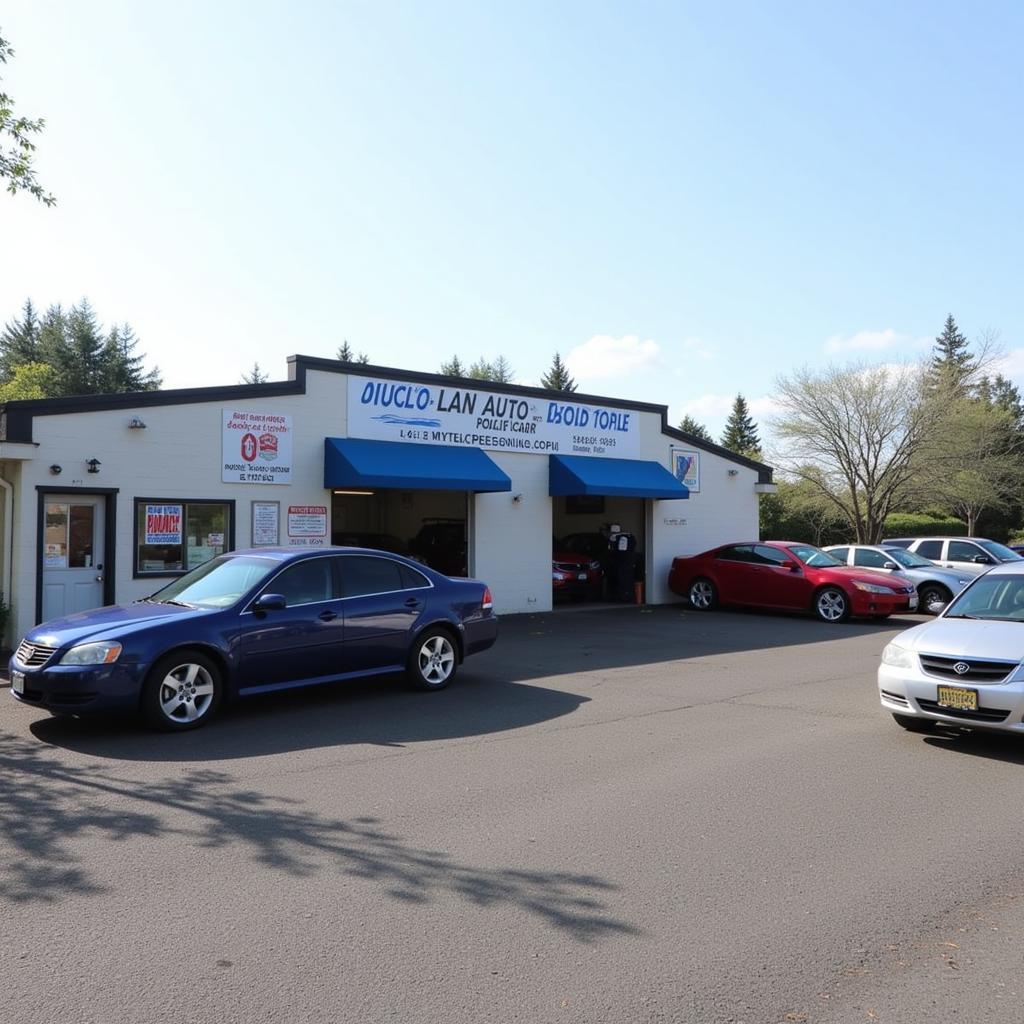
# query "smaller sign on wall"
(256, 448)
(163, 524)
(266, 524)
(686, 469)
(307, 526)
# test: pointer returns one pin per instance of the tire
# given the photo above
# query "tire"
(932, 593)
(433, 661)
(831, 605)
(702, 594)
(183, 691)
(912, 724)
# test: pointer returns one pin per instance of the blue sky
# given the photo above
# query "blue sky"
(684, 200)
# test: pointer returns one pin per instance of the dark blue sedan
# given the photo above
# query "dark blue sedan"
(253, 621)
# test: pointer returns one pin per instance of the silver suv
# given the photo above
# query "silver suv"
(972, 555)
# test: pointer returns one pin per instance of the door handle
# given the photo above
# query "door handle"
(327, 616)
(413, 602)
(99, 579)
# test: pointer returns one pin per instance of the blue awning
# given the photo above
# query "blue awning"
(351, 462)
(626, 478)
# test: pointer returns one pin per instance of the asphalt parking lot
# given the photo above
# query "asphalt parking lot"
(628, 815)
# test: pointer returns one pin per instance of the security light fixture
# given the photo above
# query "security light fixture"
(94, 465)
(136, 424)
(734, 472)
(56, 470)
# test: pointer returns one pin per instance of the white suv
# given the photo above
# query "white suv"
(972, 555)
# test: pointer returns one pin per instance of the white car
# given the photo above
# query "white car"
(963, 668)
(972, 555)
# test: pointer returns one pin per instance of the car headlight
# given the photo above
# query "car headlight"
(898, 657)
(105, 652)
(595, 565)
(870, 588)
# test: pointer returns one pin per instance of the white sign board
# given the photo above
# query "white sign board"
(388, 410)
(686, 469)
(256, 448)
(307, 526)
(266, 524)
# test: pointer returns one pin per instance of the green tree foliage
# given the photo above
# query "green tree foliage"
(557, 378)
(691, 426)
(953, 367)
(255, 375)
(29, 380)
(499, 371)
(452, 368)
(799, 511)
(83, 360)
(740, 433)
(923, 524)
(347, 355)
(16, 145)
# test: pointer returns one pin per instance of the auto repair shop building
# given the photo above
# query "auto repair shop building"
(106, 497)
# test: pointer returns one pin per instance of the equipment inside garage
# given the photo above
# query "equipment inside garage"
(428, 525)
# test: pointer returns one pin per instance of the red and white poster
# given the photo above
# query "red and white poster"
(256, 447)
(307, 526)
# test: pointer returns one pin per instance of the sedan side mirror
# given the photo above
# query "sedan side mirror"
(982, 559)
(270, 603)
(889, 565)
(789, 564)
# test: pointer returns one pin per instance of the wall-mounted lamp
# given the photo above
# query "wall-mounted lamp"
(136, 424)
(517, 499)
(55, 469)
(734, 472)
(94, 465)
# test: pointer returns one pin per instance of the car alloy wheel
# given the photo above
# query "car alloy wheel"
(933, 598)
(434, 661)
(831, 605)
(182, 692)
(702, 595)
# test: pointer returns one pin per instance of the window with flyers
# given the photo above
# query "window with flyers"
(173, 536)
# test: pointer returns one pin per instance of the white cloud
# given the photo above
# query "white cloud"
(604, 357)
(873, 341)
(696, 348)
(1011, 365)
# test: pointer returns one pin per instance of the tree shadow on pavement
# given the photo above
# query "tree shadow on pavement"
(48, 808)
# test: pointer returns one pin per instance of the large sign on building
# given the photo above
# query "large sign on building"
(388, 410)
(256, 448)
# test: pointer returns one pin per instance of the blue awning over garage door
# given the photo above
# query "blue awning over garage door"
(626, 478)
(352, 462)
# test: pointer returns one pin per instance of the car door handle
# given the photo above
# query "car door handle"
(413, 602)
(327, 616)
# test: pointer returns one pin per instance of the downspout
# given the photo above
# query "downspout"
(8, 548)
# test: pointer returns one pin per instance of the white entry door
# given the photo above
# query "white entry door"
(72, 554)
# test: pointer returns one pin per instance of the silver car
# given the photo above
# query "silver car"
(936, 586)
(965, 667)
(972, 555)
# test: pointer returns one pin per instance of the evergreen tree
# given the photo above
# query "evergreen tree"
(122, 365)
(499, 371)
(740, 434)
(255, 375)
(453, 368)
(19, 342)
(347, 355)
(557, 378)
(952, 365)
(77, 359)
(690, 426)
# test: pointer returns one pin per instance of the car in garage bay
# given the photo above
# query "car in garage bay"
(788, 575)
(936, 586)
(963, 668)
(249, 622)
(574, 574)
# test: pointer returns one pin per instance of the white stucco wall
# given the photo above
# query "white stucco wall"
(178, 456)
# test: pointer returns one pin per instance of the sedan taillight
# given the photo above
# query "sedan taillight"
(488, 602)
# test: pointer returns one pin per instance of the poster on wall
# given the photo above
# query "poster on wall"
(686, 469)
(388, 410)
(307, 526)
(163, 524)
(256, 447)
(266, 524)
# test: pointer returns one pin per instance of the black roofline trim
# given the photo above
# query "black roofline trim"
(16, 417)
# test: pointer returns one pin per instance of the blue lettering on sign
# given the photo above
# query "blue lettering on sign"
(398, 396)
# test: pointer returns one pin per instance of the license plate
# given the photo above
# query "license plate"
(913, 602)
(18, 682)
(958, 698)
(582, 576)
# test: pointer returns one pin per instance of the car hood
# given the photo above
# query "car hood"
(101, 623)
(965, 638)
(878, 579)
(571, 558)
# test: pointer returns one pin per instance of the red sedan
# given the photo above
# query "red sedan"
(782, 574)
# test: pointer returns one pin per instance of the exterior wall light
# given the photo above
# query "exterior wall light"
(55, 469)
(517, 499)
(136, 424)
(94, 465)
(734, 472)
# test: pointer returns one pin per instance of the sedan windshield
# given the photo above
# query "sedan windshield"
(814, 557)
(1000, 551)
(991, 597)
(907, 558)
(217, 583)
